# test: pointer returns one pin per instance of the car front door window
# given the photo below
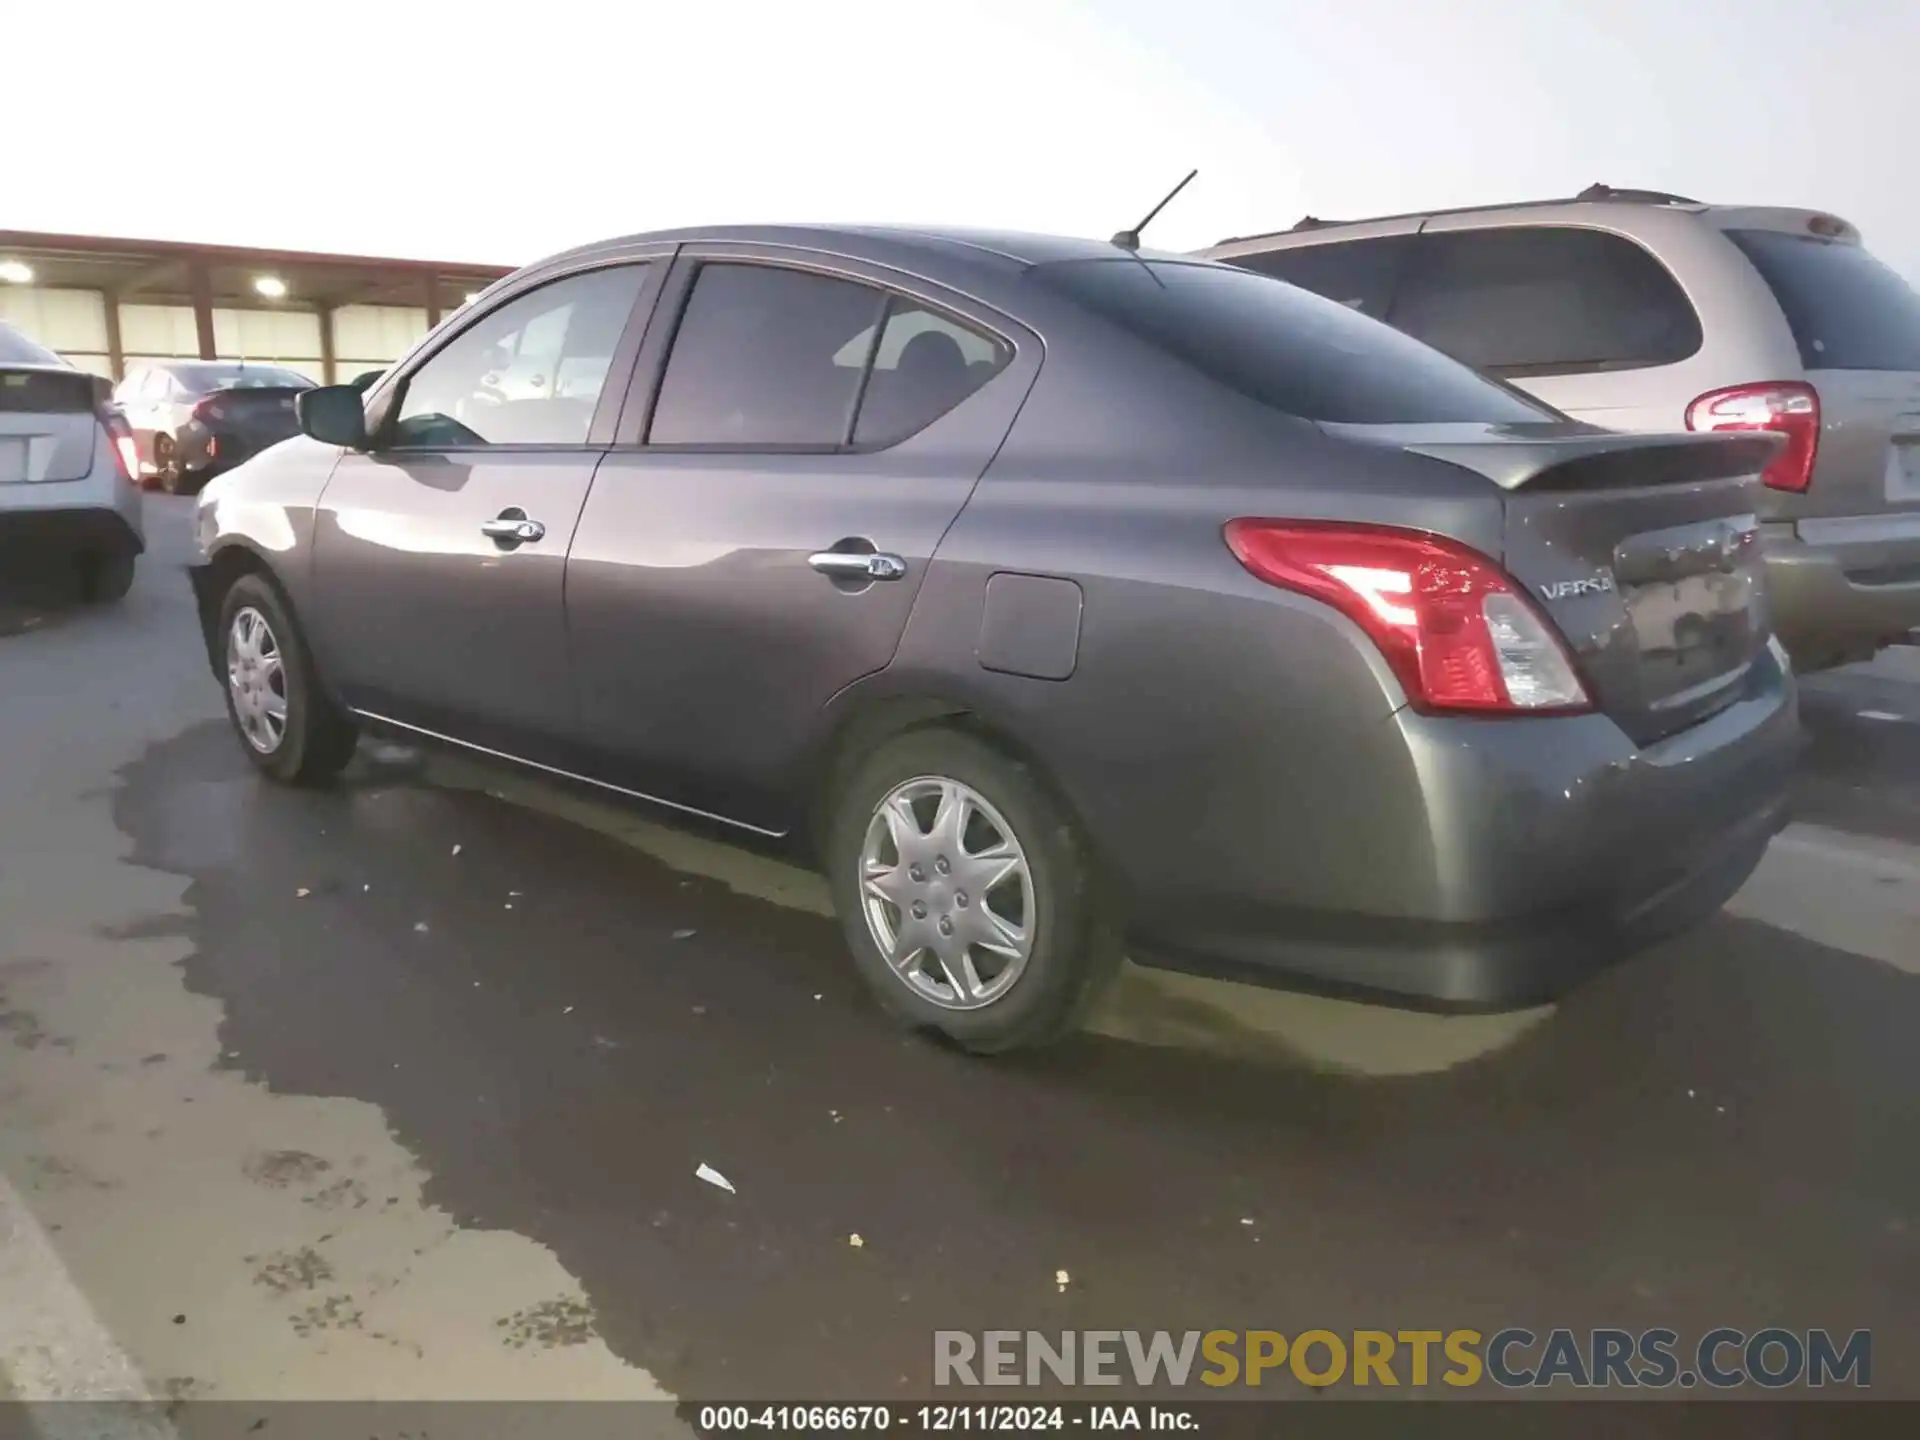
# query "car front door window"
(528, 373)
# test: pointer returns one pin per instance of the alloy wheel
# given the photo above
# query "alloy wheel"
(947, 893)
(257, 680)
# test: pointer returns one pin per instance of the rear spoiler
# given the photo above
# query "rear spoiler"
(1589, 460)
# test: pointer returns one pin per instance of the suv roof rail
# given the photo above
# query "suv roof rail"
(1594, 192)
(1597, 191)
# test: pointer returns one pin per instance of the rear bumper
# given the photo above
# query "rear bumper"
(61, 532)
(1555, 848)
(1843, 589)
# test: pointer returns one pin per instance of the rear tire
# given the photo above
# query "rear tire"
(107, 576)
(285, 720)
(1069, 952)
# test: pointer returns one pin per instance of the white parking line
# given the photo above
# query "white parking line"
(1851, 892)
(53, 1348)
(1880, 715)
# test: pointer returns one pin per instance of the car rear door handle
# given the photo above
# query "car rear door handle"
(514, 527)
(853, 565)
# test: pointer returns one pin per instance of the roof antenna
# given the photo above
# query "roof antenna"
(1130, 239)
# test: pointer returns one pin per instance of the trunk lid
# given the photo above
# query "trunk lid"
(47, 424)
(259, 414)
(1642, 549)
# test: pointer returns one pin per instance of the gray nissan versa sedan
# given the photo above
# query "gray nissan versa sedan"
(1059, 599)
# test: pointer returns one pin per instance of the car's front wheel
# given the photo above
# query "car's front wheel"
(287, 723)
(967, 894)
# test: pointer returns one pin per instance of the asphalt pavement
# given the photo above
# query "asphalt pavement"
(401, 1089)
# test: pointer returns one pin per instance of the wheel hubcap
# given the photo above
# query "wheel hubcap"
(257, 681)
(947, 893)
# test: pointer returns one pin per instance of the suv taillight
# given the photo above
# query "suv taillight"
(1787, 407)
(124, 448)
(1458, 632)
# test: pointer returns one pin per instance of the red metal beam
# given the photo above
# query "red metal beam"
(233, 254)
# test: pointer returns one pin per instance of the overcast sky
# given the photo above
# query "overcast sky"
(498, 132)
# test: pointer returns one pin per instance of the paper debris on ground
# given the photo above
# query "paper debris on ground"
(456, 849)
(713, 1177)
(421, 926)
(1061, 1278)
(683, 934)
(302, 893)
(855, 1241)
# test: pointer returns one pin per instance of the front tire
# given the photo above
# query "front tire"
(967, 895)
(286, 722)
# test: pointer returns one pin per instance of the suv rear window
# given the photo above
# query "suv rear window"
(1285, 347)
(1545, 300)
(1848, 310)
(1360, 274)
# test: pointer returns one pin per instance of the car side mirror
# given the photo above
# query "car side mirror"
(333, 415)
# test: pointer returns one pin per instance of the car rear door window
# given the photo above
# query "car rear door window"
(1545, 300)
(527, 373)
(762, 358)
(1848, 311)
(1286, 347)
(925, 364)
(1360, 274)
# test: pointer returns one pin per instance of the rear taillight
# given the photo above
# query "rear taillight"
(1459, 634)
(1787, 407)
(125, 451)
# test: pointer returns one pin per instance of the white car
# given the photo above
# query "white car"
(68, 499)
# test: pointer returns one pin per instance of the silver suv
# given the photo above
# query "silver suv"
(1637, 310)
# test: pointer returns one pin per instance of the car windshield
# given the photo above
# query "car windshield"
(1848, 311)
(17, 349)
(202, 378)
(1287, 347)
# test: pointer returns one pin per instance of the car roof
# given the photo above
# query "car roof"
(905, 246)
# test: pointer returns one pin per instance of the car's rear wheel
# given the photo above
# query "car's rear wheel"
(966, 893)
(106, 576)
(287, 723)
(166, 464)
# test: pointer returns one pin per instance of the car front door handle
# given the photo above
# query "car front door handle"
(515, 528)
(853, 565)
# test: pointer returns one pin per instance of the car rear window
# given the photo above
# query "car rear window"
(1848, 311)
(1526, 300)
(1286, 347)
(203, 378)
(41, 392)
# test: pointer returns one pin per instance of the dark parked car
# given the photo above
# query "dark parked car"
(194, 418)
(1058, 599)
